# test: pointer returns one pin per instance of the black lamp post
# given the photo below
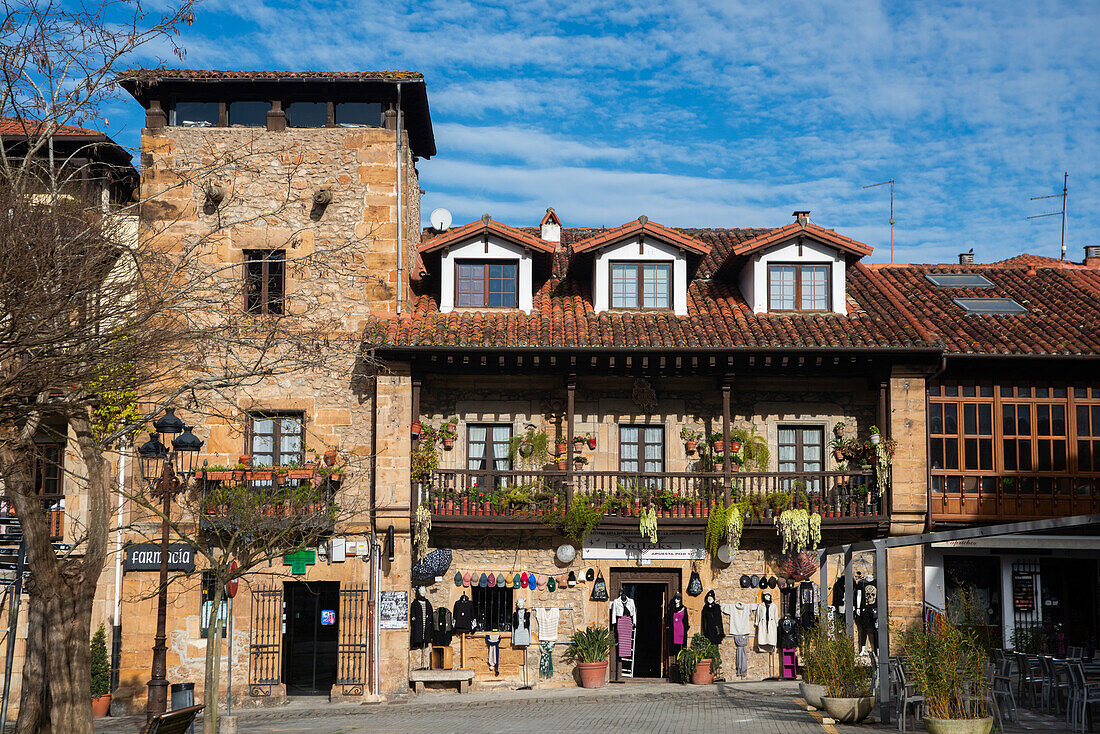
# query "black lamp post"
(165, 472)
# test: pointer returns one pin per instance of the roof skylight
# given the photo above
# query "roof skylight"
(990, 305)
(959, 280)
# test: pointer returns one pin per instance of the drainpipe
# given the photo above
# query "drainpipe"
(116, 631)
(375, 549)
(400, 220)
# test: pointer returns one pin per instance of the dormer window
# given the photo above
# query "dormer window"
(487, 284)
(641, 285)
(794, 287)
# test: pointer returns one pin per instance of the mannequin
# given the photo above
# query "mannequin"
(676, 628)
(713, 629)
(420, 625)
(740, 628)
(623, 616)
(866, 612)
(464, 620)
(767, 622)
(521, 625)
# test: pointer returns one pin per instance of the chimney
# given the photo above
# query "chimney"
(550, 226)
(966, 258)
(1092, 256)
(802, 217)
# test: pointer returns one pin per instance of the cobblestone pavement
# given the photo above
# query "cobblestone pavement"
(754, 708)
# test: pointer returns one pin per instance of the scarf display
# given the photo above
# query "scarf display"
(546, 659)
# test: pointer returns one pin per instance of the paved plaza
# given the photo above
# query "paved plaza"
(757, 708)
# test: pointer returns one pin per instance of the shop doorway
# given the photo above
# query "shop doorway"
(311, 636)
(651, 592)
(1069, 602)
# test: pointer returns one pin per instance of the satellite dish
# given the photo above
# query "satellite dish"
(441, 220)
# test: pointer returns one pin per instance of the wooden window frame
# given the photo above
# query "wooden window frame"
(491, 458)
(638, 266)
(485, 280)
(641, 444)
(264, 258)
(276, 434)
(798, 267)
(46, 469)
(800, 446)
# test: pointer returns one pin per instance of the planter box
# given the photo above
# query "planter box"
(299, 473)
(812, 694)
(958, 726)
(259, 476)
(849, 710)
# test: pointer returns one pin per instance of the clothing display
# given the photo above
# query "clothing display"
(713, 628)
(767, 622)
(740, 615)
(678, 626)
(624, 631)
(546, 658)
(866, 612)
(521, 627)
(444, 627)
(620, 606)
(492, 642)
(808, 599)
(599, 589)
(463, 617)
(789, 633)
(548, 624)
(695, 584)
(420, 623)
(742, 644)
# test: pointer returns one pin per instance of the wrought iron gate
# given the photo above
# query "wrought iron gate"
(352, 651)
(265, 641)
(1027, 601)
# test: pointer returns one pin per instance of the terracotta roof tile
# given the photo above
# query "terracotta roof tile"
(473, 229)
(638, 226)
(15, 126)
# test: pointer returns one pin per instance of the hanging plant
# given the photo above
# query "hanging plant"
(420, 533)
(425, 460)
(647, 524)
(884, 457)
(531, 449)
(735, 523)
(798, 530)
(716, 527)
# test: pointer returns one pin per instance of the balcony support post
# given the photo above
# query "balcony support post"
(886, 499)
(570, 396)
(726, 473)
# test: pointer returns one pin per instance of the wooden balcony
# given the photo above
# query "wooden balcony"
(11, 534)
(475, 497)
(269, 503)
(993, 498)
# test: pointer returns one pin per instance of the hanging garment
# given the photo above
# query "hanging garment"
(808, 599)
(493, 643)
(548, 624)
(742, 643)
(420, 624)
(838, 594)
(677, 625)
(444, 627)
(464, 620)
(788, 634)
(695, 584)
(788, 601)
(713, 629)
(767, 623)
(521, 628)
(546, 659)
(620, 607)
(740, 615)
(624, 629)
(599, 589)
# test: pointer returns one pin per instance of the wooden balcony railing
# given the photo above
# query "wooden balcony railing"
(989, 497)
(269, 503)
(476, 493)
(11, 533)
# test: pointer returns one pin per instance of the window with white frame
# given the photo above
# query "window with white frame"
(794, 287)
(641, 285)
(641, 448)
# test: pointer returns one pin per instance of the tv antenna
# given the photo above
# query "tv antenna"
(883, 183)
(1065, 190)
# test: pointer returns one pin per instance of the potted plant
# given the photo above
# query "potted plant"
(718, 442)
(588, 649)
(101, 674)
(561, 445)
(414, 431)
(591, 441)
(580, 440)
(947, 665)
(848, 696)
(701, 660)
(561, 461)
(447, 432)
(690, 437)
(531, 448)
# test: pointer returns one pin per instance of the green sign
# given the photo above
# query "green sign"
(299, 559)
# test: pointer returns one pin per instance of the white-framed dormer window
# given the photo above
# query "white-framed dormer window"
(795, 277)
(641, 285)
(799, 286)
(486, 273)
(646, 275)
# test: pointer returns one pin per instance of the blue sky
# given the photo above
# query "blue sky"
(725, 114)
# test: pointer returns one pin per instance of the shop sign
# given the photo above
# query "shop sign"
(1023, 592)
(328, 617)
(393, 610)
(629, 546)
(146, 557)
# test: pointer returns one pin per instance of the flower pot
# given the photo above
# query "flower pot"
(451, 427)
(958, 726)
(698, 508)
(592, 444)
(561, 463)
(448, 506)
(465, 505)
(593, 675)
(689, 447)
(330, 455)
(838, 455)
(217, 475)
(561, 446)
(299, 474)
(849, 710)
(101, 705)
(414, 431)
(812, 694)
(486, 508)
(702, 676)
(719, 446)
(448, 442)
(525, 449)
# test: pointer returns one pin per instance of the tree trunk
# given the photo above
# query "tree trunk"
(34, 710)
(211, 684)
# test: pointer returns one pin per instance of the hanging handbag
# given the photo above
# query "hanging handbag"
(695, 584)
(599, 589)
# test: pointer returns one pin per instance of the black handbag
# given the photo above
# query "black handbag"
(695, 584)
(599, 589)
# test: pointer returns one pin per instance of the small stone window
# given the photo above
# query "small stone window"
(264, 282)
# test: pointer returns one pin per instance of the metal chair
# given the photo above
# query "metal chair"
(1003, 698)
(1059, 686)
(1082, 695)
(907, 696)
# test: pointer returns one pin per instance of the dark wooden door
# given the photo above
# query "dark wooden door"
(311, 639)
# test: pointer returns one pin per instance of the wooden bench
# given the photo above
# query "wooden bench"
(172, 722)
(462, 677)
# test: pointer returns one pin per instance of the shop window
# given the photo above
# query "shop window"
(249, 114)
(798, 287)
(493, 608)
(194, 114)
(359, 114)
(208, 581)
(487, 447)
(307, 114)
(276, 439)
(641, 285)
(264, 282)
(641, 449)
(490, 284)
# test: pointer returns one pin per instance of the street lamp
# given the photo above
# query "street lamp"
(165, 472)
